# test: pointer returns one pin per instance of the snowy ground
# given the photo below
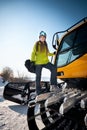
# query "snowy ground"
(12, 115)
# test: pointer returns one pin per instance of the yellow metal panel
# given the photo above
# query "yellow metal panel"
(76, 69)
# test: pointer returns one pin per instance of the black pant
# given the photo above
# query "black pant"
(53, 78)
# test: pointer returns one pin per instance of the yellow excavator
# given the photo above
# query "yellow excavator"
(66, 109)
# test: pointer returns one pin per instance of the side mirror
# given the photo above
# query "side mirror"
(55, 42)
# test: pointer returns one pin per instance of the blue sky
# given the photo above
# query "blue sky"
(22, 20)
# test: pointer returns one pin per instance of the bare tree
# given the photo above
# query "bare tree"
(21, 77)
(7, 73)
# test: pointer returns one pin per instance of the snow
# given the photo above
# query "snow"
(12, 115)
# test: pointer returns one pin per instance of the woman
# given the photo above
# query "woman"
(39, 56)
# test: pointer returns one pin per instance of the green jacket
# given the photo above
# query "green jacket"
(40, 57)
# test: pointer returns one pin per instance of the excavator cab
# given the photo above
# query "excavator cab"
(71, 57)
(72, 52)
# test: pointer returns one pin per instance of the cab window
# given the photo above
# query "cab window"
(72, 46)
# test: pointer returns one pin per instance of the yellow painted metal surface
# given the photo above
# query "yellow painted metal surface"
(76, 69)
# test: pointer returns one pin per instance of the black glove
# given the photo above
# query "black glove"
(54, 52)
